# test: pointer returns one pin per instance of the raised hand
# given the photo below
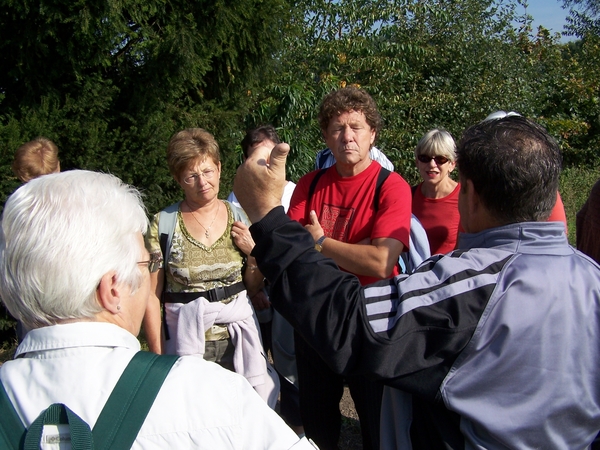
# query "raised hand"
(260, 181)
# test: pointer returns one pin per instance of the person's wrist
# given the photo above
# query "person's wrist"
(258, 213)
(319, 243)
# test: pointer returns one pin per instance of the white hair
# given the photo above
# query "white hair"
(61, 234)
(437, 142)
(500, 115)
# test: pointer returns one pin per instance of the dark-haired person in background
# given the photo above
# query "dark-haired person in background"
(497, 341)
(276, 332)
(558, 213)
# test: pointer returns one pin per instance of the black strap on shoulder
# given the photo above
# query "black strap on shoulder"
(383, 175)
(166, 228)
(163, 248)
(131, 399)
(311, 190)
(163, 244)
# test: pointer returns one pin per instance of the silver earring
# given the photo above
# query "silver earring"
(118, 307)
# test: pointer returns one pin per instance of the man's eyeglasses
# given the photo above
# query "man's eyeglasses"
(193, 179)
(439, 160)
(154, 262)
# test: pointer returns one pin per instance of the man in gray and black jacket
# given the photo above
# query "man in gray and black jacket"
(498, 341)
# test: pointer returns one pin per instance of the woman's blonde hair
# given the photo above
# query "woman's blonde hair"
(189, 145)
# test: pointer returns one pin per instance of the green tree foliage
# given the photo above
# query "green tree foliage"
(584, 17)
(574, 110)
(111, 81)
(427, 63)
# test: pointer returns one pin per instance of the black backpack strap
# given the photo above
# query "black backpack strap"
(131, 399)
(383, 175)
(311, 190)
(166, 227)
(12, 430)
(163, 239)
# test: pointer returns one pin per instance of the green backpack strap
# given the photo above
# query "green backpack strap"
(12, 430)
(57, 413)
(14, 436)
(131, 399)
(119, 422)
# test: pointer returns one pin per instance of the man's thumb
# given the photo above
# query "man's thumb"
(279, 156)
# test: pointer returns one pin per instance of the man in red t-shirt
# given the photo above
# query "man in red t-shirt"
(364, 234)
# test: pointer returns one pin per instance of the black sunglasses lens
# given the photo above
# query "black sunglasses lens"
(439, 160)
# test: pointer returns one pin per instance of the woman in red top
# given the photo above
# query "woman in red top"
(435, 200)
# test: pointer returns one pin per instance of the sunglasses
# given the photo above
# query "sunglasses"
(439, 160)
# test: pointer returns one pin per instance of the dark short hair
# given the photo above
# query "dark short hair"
(349, 99)
(514, 165)
(258, 135)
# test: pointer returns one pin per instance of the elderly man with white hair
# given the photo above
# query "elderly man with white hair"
(74, 269)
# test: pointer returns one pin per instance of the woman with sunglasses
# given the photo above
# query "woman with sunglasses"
(206, 281)
(435, 200)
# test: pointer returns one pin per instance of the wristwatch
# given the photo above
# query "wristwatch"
(319, 243)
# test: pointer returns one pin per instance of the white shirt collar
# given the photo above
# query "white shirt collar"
(78, 334)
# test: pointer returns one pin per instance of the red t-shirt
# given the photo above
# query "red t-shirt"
(440, 218)
(345, 207)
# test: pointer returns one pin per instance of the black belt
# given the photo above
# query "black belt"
(214, 295)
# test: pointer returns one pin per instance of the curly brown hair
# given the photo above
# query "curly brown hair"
(349, 99)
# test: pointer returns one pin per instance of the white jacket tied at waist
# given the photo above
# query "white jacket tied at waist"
(190, 321)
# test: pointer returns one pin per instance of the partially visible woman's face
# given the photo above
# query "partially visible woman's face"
(200, 180)
(434, 171)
